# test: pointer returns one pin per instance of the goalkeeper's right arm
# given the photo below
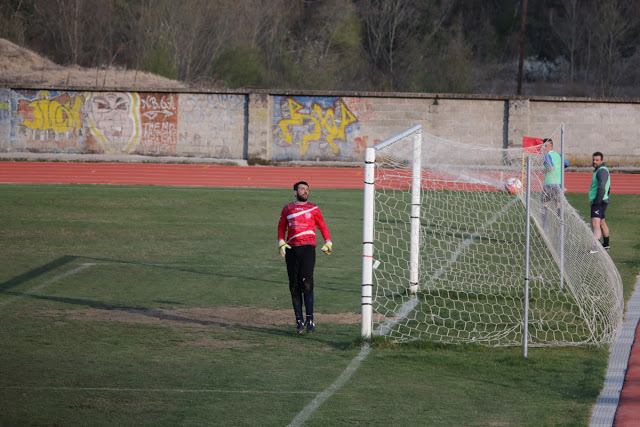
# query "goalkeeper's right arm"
(282, 247)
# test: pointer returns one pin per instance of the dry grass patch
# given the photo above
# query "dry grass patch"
(199, 317)
(20, 66)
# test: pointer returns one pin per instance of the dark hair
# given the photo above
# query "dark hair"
(549, 140)
(597, 153)
(295, 186)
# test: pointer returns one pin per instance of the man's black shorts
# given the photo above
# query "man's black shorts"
(301, 261)
(550, 192)
(597, 211)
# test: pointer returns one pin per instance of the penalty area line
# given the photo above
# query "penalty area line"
(48, 283)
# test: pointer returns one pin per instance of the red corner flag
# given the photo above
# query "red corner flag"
(532, 145)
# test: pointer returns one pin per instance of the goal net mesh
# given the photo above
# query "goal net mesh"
(471, 271)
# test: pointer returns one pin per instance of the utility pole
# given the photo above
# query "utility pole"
(522, 43)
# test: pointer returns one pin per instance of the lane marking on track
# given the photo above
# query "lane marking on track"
(157, 390)
(136, 187)
(604, 412)
(48, 282)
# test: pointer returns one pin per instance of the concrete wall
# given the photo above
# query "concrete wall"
(276, 126)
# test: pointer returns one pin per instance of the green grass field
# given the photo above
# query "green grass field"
(169, 306)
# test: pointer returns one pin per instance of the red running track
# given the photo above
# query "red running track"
(628, 412)
(229, 176)
(178, 174)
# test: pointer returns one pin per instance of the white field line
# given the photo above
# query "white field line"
(48, 282)
(403, 312)
(157, 390)
(328, 392)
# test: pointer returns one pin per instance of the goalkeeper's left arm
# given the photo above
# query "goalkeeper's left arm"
(328, 246)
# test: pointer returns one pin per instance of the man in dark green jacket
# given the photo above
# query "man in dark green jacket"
(599, 199)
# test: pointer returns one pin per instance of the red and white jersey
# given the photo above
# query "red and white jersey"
(299, 222)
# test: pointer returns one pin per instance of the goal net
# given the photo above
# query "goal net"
(444, 250)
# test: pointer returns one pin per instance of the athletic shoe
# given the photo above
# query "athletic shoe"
(310, 326)
(606, 248)
(299, 327)
(593, 250)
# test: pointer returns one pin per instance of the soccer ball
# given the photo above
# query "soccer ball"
(513, 185)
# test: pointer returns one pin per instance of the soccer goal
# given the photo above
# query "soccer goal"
(444, 248)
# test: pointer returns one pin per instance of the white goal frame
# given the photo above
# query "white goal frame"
(368, 236)
(446, 250)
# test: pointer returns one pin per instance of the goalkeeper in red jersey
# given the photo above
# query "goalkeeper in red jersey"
(297, 244)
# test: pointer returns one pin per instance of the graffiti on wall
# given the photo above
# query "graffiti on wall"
(5, 105)
(362, 142)
(185, 124)
(113, 120)
(209, 125)
(321, 124)
(46, 120)
(159, 123)
(361, 108)
(60, 113)
(5, 118)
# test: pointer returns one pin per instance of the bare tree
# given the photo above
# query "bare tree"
(568, 29)
(613, 25)
(197, 33)
(13, 17)
(326, 45)
(179, 39)
(392, 25)
(263, 25)
(388, 24)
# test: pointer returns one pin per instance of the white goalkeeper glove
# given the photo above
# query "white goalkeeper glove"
(327, 247)
(283, 247)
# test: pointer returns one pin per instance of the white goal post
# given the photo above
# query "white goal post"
(444, 250)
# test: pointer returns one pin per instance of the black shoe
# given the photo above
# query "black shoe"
(299, 327)
(606, 248)
(310, 326)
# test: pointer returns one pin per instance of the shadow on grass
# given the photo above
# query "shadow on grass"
(154, 313)
(32, 274)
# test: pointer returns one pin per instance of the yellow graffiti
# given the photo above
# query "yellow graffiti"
(322, 119)
(48, 114)
(4, 105)
(335, 131)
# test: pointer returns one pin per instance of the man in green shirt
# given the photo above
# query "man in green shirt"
(552, 189)
(599, 199)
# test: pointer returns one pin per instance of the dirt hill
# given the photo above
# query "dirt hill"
(25, 68)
